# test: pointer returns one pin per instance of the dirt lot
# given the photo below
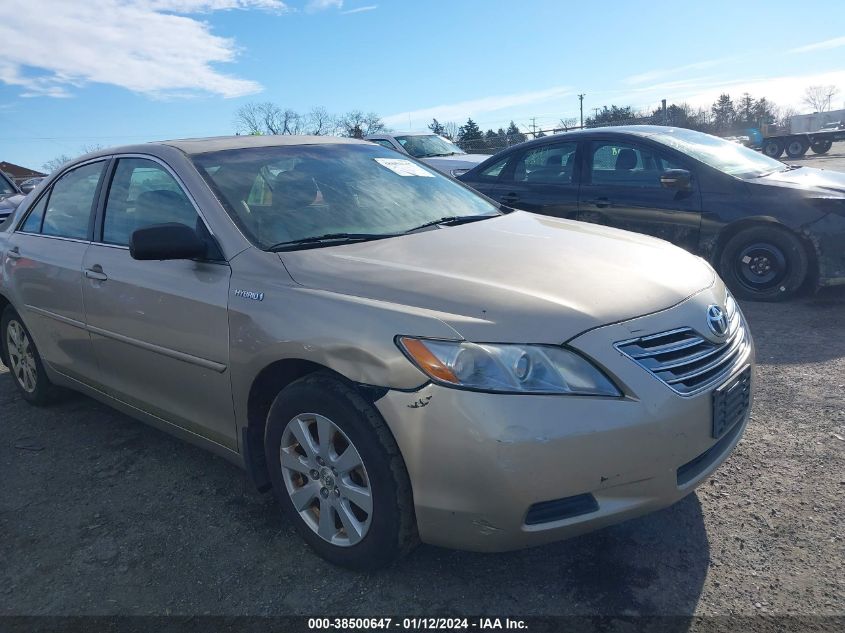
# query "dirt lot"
(835, 159)
(100, 514)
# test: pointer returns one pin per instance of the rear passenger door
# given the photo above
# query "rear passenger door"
(621, 188)
(43, 267)
(159, 328)
(543, 179)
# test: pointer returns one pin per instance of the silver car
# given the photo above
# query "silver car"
(432, 149)
(395, 356)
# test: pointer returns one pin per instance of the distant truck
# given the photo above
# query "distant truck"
(817, 132)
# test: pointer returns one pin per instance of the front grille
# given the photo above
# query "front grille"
(686, 361)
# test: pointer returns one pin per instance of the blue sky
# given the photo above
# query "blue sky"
(104, 72)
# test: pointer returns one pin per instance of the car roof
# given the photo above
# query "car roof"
(219, 143)
(644, 131)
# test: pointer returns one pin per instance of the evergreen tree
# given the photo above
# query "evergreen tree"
(470, 136)
(746, 111)
(513, 135)
(436, 127)
(724, 113)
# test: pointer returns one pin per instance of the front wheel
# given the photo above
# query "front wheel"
(764, 264)
(338, 473)
(24, 360)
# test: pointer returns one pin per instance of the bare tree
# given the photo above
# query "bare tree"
(819, 98)
(319, 122)
(450, 130)
(567, 124)
(249, 120)
(784, 117)
(356, 124)
(52, 165)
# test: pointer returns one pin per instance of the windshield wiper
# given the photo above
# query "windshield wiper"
(329, 239)
(452, 220)
(446, 154)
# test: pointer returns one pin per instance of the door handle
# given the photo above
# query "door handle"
(510, 198)
(14, 253)
(96, 273)
(601, 203)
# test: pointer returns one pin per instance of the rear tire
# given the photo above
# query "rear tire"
(821, 147)
(25, 363)
(764, 263)
(796, 147)
(338, 473)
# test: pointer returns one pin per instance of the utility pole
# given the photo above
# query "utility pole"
(534, 127)
(581, 100)
(665, 119)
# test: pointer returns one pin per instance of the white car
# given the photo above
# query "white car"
(432, 149)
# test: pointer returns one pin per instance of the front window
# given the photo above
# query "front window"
(428, 146)
(284, 194)
(731, 158)
(6, 188)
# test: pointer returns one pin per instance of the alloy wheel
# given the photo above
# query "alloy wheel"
(326, 479)
(21, 357)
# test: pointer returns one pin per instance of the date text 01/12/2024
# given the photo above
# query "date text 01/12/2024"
(319, 624)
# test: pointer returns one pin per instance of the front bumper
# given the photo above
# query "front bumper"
(478, 462)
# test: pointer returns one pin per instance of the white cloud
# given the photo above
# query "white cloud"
(369, 7)
(476, 107)
(146, 46)
(836, 42)
(652, 75)
(321, 5)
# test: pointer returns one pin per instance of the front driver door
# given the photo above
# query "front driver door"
(543, 179)
(622, 188)
(159, 329)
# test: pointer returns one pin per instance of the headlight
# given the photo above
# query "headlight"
(457, 172)
(507, 368)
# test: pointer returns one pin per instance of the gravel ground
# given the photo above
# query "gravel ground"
(100, 514)
(834, 159)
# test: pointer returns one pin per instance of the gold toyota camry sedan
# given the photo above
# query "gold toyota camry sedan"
(395, 356)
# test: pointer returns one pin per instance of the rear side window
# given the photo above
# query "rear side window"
(71, 202)
(143, 193)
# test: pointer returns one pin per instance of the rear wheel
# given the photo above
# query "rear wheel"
(764, 264)
(24, 360)
(338, 473)
(821, 146)
(797, 147)
(772, 148)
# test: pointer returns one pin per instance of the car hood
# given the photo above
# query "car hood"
(461, 161)
(518, 278)
(822, 181)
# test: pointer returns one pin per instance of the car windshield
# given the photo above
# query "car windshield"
(291, 193)
(731, 158)
(428, 145)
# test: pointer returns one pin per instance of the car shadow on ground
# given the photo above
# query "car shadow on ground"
(104, 515)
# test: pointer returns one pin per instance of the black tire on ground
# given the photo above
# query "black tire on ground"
(392, 529)
(28, 371)
(821, 146)
(796, 147)
(772, 148)
(764, 263)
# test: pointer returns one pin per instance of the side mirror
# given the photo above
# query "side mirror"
(166, 241)
(676, 179)
(26, 188)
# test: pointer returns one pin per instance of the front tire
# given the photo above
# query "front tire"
(764, 263)
(797, 147)
(772, 148)
(338, 473)
(821, 146)
(25, 363)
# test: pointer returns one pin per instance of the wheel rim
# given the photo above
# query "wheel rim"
(772, 149)
(21, 357)
(761, 266)
(795, 147)
(326, 479)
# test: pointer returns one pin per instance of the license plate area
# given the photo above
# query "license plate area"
(730, 402)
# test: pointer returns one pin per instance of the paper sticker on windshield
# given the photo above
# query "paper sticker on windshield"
(403, 167)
